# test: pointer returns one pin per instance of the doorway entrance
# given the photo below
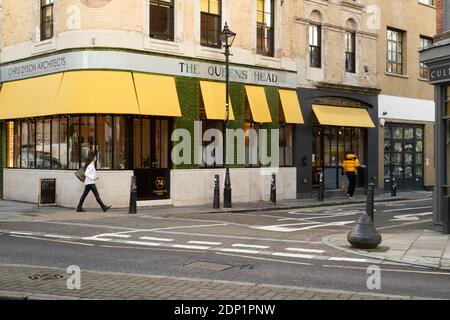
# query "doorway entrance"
(151, 161)
(404, 156)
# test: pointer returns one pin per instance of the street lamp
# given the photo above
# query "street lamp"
(227, 38)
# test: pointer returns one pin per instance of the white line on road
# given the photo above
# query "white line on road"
(115, 235)
(389, 270)
(283, 228)
(21, 233)
(96, 239)
(156, 239)
(239, 250)
(347, 259)
(184, 246)
(206, 242)
(250, 246)
(293, 255)
(51, 240)
(411, 217)
(57, 236)
(408, 209)
(144, 243)
(305, 250)
(265, 259)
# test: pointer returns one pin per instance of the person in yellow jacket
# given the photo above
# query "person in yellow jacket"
(350, 168)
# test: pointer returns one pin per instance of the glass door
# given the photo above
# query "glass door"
(151, 158)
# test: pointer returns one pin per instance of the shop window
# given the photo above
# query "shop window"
(211, 22)
(161, 160)
(120, 143)
(28, 144)
(162, 19)
(17, 144)
(265, 27)
(74, 143)
(350, 57)
(63, 145)
(286, 145)
(87, 136)
(43, 144)
(104, 143)
(10, 141)
(315, 46)
(47, 19)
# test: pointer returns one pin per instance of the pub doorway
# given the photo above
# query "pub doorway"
(151, 158)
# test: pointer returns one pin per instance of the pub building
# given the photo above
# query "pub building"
(125, 105)
(338, 119)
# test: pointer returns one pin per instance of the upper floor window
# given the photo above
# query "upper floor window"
(394, 51)
(211, 22)
(46, 19)
(265, 27)
(428, 2)
(350, 57)
(162, 19)
(425, 42)
(315, 46)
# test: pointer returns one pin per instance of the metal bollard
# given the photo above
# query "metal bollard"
(273, 189)
(321, 187)
(133, 196)
(216, 200)
(394, 185)
(370, 202)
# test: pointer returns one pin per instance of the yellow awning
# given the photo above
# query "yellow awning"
(291, 106)
(157, 95)
(343, 116)
(258, 104)
(29, 98)
(96, 92)
(213, 94)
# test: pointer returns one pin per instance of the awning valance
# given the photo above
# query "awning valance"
(258, 104)
(291, 106)
(343, 116)
(213, 94)
(157, 95)
(90, 92)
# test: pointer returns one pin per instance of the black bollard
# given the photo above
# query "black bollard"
(321, 187)
(273, 189)
(364, 235)
(216, 200)
(394, 185)
(133, 196)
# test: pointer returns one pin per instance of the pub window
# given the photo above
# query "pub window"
(211, 22)
(47, 19)
(394, 51)
(206, 125)
(162, 19)
(251, 130)
(425, 42)
(315, 46)
(286, 142)
(265, 27)
(350, 57)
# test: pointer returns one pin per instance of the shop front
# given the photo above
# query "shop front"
(336, 122)
(132, 109)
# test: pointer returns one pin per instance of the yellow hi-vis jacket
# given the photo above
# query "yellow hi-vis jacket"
(351, 163)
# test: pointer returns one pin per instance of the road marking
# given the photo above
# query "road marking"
(21, 233)
(206, 242)
(239, 250)
(96, 239)
(293, 255)
(283, 228)
(115, 235)
(250, 246)
(389, 270)
(305, 250)
(184, 246)
(57, 236)
(144, 243)
(408, 209)
(156, 239)
(265, 259)
(347, 259)
(51, 240)
(411, 217)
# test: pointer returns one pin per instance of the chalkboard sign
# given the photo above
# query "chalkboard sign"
(48, 192)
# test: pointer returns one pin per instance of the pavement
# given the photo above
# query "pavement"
(38, 283)
(423, 248)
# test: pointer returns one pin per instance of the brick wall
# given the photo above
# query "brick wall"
(439, 16)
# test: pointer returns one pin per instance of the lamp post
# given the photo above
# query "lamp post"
(227, 38)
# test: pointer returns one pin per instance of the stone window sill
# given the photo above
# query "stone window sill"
(396, 75)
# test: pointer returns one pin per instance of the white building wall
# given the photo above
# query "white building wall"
(402, 108)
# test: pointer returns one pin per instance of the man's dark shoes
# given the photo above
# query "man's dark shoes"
(106, 208)
(80, 209)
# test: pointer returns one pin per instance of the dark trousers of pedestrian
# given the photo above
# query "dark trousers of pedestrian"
(352, 183)
(88, 188)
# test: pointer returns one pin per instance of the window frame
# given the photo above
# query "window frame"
(261, 49)
(315, 50)
(170, 35)
(350, 56)
(423, 69)
(208, 15)
(399, 61)
(43, 22)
